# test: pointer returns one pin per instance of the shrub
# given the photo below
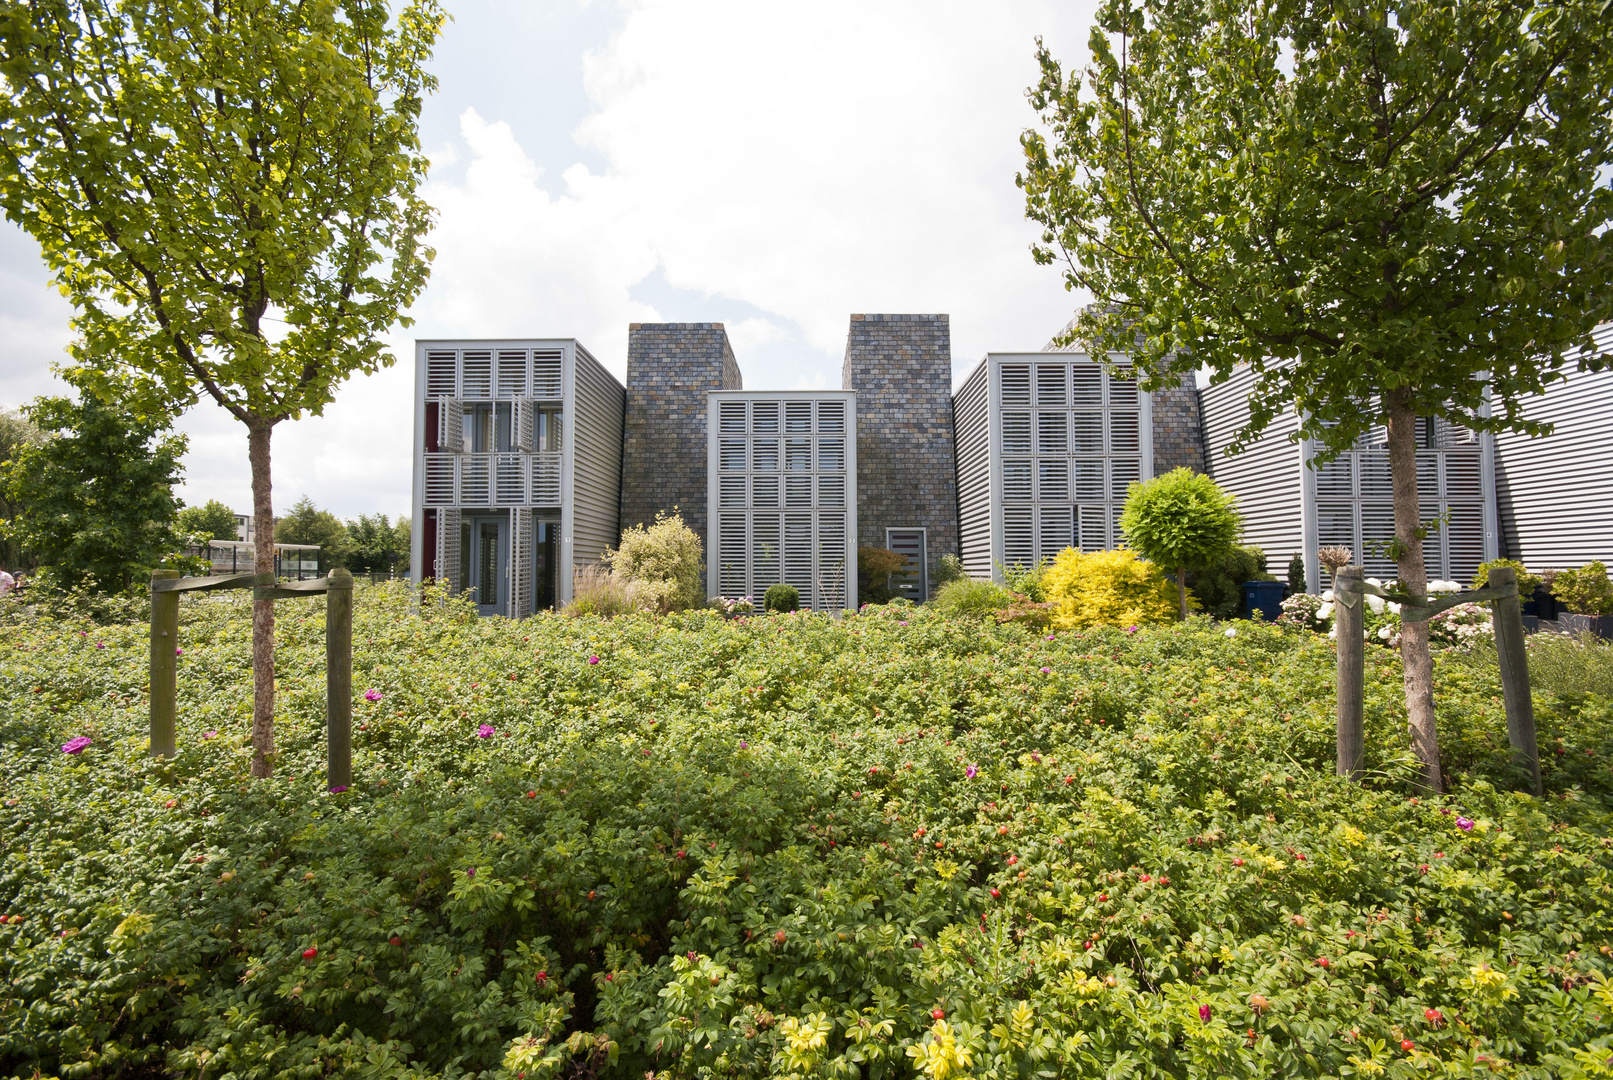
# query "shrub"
(1027, 582)
(1296, 574)
(664, 561)
(1182, 520)
(596, 590)
(966, 596)
(874, 569)
(1527, 582)
(1108, 588)
(782, 598)
(1585, 591)
(1219, 587)
(948, 568)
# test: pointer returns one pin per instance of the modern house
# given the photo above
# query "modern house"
(517, 472)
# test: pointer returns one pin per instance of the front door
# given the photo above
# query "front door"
(545, 565)
(912, 581)
(487, 562)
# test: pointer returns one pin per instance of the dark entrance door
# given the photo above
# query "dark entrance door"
(546, 565)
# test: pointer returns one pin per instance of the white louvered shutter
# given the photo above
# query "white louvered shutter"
(448, 553)
(520, 563)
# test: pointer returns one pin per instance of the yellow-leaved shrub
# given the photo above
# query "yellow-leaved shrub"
(1107, 588)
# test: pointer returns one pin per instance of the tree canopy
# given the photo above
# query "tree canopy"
(1181, 521)
(306, 523)
(98, 506)
(212, 519)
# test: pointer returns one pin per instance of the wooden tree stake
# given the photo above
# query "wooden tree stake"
(1348, 622)
(339, 678)
(164, 663)
(1507, 612)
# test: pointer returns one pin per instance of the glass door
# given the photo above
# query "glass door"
(545, 565)
(486, 563)
(912, 581)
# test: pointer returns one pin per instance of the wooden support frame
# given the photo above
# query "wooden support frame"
(1349, 592)
(337, 588)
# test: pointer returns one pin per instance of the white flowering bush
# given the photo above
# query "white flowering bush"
(1300, 610)
(1461, 627)
(1456, 628)
(733, 608)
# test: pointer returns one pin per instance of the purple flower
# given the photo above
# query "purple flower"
(338, 789)
(593, 659)
(1050, 637)
(1204, 1013)
(179, 652)
(1465, 824)
(73, 746)
(1036, 757)
(372, 695)
(970, 772)
(209, 734)
(691, 958)
(486, 731)
(1047, 671)
(471, 872)
(903, 623)
(743, 745)
(1131, 629)
(100, 644)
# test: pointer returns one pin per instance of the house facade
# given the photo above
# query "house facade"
(531, 458)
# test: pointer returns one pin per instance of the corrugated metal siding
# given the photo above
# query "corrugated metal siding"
(972, 429)
(1266, 477)
(597, 404)
(1556, 493)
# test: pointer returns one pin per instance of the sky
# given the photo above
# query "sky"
(600, 162)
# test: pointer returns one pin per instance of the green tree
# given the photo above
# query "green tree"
(308, 524)
(212, 519)
(97, 496)
(664, 562)
(1388, 209)
(1183, 521)
(198, 171)
(17, 433)
(377, 543)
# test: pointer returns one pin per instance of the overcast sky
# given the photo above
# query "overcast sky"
(595, 163)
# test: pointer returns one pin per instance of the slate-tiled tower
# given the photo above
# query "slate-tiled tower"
(670, 368)
(901, 368)
(1178, 428)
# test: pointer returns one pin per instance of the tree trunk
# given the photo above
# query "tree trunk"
(262, 610)
(1181, 589)
(1417, 666)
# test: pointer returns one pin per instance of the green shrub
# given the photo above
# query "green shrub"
(948, 568)
(1527, 582)
(1031, 582)
(1585, 591)
(874, 569)
(1296, 574)
(1181, 521)
(1219, 587)
(596, 590)
(814, 813)
(782, 598)
(966, 596)
(664, 562)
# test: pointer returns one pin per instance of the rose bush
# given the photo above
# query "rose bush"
(876, 846)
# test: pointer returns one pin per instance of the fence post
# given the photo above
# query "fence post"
(1507, 613)
(339, 678)
(1347, 622)
(164, 664)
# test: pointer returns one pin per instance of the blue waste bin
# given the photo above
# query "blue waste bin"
(1265, 597)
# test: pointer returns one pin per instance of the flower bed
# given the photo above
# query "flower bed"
(894, 842)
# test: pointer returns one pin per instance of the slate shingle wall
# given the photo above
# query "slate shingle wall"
(1178, 429)
(901, 368)
(670, 367)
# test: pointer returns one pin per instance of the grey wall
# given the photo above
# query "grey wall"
(972, 420)
(596, 405)
(1267, 477)
(1178, 429)
(670, 367)
(901, 368)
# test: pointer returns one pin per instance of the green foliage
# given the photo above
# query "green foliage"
(378, 545)
(874, 569)
(1108, 588)
(1569, 666)
(211, 520)
(1527, 582)
(747, 848)
(1296, 574)
(1586, 591)
(1028, 582)
(664, 562)
(97, 503)
(1219, 587)
(1182, 520)
(948, 568)
(781, 598)
(966, 596)
(597, 591)
(1383, 207)
(17, 433)
(306, 523)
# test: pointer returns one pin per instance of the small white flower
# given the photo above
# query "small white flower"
(1393, 607)
(1374, 582)
(1375, 603)
(1325, 612)
(1384, 633)
(1333, 633)
(1232, 631)
(1327, 595)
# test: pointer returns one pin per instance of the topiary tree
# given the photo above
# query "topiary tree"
(1181, 520)
(1107, 588)
(664, 562)
(1296, 574)
(212, 520)
(782, 598)
(1527, 582)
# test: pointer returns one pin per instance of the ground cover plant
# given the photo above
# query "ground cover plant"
(891, 844)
